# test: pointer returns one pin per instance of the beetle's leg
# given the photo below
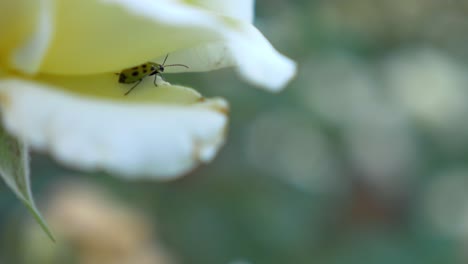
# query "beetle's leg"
(155, 78)
(133, 87)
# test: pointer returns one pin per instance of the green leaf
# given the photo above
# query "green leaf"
(14, 169)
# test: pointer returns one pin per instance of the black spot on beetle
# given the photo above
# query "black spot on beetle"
(145, 71)
(135, 73)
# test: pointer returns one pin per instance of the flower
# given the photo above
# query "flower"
(59, 92)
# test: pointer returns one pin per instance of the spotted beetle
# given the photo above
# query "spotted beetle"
(138, 73)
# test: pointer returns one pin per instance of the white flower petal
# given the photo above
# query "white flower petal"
(256, 59)
(128, 139)
(240, 9)
(247, 49)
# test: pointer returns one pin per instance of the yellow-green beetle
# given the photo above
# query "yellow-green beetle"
(138, 73)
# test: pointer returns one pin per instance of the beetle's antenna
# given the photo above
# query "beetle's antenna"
(170, 65)
(165, 59)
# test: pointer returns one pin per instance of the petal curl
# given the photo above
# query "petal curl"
(28, 57)
(257, 60)
(245, 48)
(23, 24)
(240, 9)
(132, 140)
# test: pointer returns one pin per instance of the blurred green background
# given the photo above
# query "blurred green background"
(362, 159)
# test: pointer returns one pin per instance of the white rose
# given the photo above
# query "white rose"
(59, 92)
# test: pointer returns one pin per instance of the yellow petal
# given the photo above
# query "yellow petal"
(106, 86)
(104, 36)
